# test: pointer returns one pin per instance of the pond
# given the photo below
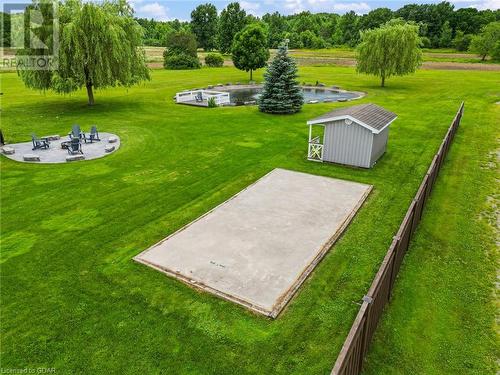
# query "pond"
(247, 95)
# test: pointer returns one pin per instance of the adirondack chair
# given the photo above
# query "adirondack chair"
(75, 146)
(93, 135)
(39, 143)
(199, 96)
(76, 132)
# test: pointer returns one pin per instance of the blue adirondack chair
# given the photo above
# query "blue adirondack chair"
(39, 143)
(93, 135)
(75, 146)
(76, 132)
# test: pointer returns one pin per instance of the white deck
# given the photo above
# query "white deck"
(258, 247)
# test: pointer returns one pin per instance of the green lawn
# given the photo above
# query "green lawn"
(72, 298)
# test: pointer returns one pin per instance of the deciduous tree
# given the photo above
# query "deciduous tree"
(277, 27)
(204, 25)
(446, 35)
(375, 18)
(99, 47)
(393, 49)
(485, 43)
(231, 21)
(249, 49)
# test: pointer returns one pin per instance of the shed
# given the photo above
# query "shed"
(354, 135)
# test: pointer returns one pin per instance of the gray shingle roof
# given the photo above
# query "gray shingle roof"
(371, 115)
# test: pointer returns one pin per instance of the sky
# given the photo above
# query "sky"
(165, 10)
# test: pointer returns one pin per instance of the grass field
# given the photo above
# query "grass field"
(72, 298)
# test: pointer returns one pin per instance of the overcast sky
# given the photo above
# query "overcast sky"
(181, 9)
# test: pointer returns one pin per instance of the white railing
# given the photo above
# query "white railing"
(189, 96)
(315, 151)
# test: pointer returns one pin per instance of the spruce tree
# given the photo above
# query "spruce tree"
(281, 93)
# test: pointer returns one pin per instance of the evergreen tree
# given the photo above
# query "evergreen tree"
(281, 93)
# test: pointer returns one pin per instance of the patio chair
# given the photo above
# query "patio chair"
(76, 132)
(93, 136)
(39, 143)
(199, 96)
(75, 147)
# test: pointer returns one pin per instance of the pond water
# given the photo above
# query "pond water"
(240, 96)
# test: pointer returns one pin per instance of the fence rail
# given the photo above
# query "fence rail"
(351, 356)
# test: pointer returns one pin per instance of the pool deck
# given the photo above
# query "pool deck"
(258, 247)
(203, 103)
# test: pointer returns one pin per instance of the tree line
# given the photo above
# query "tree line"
(440, 26)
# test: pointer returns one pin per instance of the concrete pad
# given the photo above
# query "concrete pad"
(56, 154)
(258, 247)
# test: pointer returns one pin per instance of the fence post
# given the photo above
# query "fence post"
(392, 278)
(366, 328)
(409, 225)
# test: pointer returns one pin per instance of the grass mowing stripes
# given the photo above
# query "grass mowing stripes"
(71, 297)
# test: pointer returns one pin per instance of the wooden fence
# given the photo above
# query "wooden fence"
(351, 356)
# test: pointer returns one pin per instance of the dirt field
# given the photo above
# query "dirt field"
(344, 57)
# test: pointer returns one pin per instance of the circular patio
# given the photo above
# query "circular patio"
(55, 153)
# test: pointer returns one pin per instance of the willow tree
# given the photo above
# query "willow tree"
(390, 50)
(99, 47)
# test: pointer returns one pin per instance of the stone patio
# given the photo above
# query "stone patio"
(56, 154)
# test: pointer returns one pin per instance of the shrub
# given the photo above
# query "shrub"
(426, 42)
(214, 60)
(211, 102)
(181, 52)
(181, 61)
(462, 41)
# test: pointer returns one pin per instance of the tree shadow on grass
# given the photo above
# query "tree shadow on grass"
(77, 106)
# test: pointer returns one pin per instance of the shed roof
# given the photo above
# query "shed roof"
(371, 116)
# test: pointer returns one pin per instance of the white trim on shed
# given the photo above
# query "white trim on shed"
(348, 139)
(347, 117)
